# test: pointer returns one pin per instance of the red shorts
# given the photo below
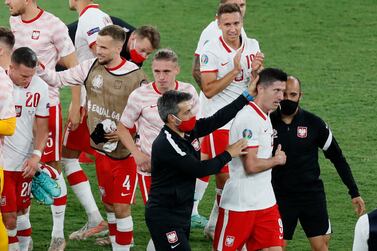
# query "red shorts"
(144, 182)
(116, 179)
(257, 229)
(78, 139)
(16, 193)
(53, 149)
(216, 143)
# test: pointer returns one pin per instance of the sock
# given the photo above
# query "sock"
(111, 220)
(13, 244)
(23, 231)
(150, 246)
(211, 225)
(50, 171)
(81, 187)
(200, 188)
(124, 233)
(58, 210)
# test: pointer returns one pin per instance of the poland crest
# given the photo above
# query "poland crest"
(172, 237)
(302, 132)
(229, 241)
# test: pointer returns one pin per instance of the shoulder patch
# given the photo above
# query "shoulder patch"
(247, 134)
(204, 59)
(92, 31)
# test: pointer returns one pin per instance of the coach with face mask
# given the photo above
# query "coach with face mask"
(297, 185)
(176, 164)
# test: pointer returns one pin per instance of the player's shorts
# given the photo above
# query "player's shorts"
(313, 218)
(144, 182)
(3, 230)
(53, 149)
(263, 229)
(215, 144)
(78, 139)
(16, 192)
(116, 179)
(166, 236)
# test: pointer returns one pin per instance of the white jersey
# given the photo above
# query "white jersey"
(217, 57)
(30, 102)
(91, 21)
(244, 192)
(141, 108)
(212, 31)
(6, 105)
(48, 37)
(360, 242)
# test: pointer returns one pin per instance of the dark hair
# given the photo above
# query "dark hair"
(114, 31)
(228, 8)
(168, 103)
(24, 56)
(166, 54)
(269, 75)
(151, 33)
(7, 37)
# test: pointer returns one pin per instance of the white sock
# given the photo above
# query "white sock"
(23, 231)
(12, 233)
(111, 220)
(150, 246)
(200, 188)
(58, 210)
(124, 233)
(211, 225)
(81, 187)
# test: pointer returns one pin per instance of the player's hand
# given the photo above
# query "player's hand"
(238, 148)
(143, 161)
(30, 166)
(280, 157)
(112, 137)
(74, 118)
(359, 205)
(237, 61)
(257, 63)
(253, 86)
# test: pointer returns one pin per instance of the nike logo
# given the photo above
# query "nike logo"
(223, 64)
(124, 194)
(176, 245)
(280, 237)
(152, 106)
(46, 153)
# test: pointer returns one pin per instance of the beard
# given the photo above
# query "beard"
(104, 61)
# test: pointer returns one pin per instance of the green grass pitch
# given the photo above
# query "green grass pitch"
(329, 45)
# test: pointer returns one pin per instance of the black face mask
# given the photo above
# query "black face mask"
(288, 107)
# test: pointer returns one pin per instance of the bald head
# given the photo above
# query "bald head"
(293, 89)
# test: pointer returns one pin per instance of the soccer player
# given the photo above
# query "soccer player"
(109, 80)
(48, 37)
(299, 190)
(366, 232)
(23, 150)
(248, 212)
(212, 31)
(227, 64)
(7, 112)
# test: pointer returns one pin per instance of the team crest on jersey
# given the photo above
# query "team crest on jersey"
(18, 110)
(302, 132)
(172, 237)
(204, 59)
(102, 191)
(35, 35)
(247, 134)
(196, 144)
(229, 241)
(118, 84)
(3, 201)
(97, 82)
(92, 31)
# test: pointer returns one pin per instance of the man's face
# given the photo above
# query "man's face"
(271, 95)
(292, 91)
(231, 25)
(107, 49)
(164, 73)
(16, 7)
(20, 74)
(185, 112)
(142, 45)
(241, 4)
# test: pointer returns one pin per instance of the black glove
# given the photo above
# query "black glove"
(98, 135)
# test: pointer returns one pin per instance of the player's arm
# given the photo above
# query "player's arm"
(360, 241)
(253, 164)
(7, 126)
(212, 86)
(196, 70)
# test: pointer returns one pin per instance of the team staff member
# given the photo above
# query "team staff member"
(7, 112)
(176, 164)
(366, 232)
(298, 188)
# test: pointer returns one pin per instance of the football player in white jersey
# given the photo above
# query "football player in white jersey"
(228, 63)
(248, 195)
(7, 112)
(48, 37)
(23, 150)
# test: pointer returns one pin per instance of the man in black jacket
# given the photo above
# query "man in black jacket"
(176, 164)
(298, 188)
